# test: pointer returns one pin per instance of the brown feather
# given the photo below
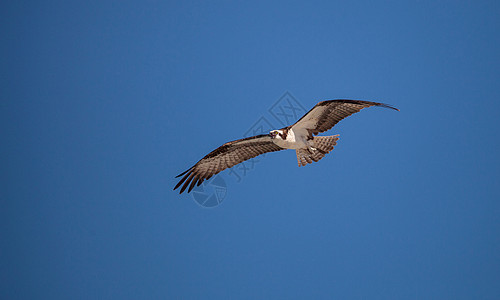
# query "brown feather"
(333, 111)
(226, 156)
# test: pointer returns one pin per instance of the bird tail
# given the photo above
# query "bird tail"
(322, 144)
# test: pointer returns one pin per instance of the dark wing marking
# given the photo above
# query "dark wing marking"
(226, 156)
(326, 114)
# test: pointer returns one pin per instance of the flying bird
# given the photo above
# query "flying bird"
(299, 136)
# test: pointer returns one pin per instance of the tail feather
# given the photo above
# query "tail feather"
(322, 144)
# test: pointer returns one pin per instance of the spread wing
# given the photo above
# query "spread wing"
(326, 114)
(226, 156)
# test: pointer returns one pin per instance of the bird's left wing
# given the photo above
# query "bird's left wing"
(326, 114)
(226, 156)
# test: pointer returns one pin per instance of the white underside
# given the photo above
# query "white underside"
(296, 139)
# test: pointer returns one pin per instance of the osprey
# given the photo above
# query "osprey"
(299, 136)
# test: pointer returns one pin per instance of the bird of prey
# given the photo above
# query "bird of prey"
(299, 136)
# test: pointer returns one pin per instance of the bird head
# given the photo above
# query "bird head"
(274, 133)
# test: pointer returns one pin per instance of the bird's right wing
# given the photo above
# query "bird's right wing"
(226, 156)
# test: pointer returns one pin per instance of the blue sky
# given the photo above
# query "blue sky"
(103, 103)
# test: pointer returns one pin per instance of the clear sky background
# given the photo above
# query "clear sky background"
(104, 102)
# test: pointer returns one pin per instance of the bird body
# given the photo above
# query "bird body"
(299, 136)
(290, 139)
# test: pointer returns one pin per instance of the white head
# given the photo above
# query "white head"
(275, 134)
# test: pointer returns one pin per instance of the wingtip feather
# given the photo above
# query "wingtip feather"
(193, 182)
(181, 181)
(387, 106)
(191, 175)
(183, 172)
